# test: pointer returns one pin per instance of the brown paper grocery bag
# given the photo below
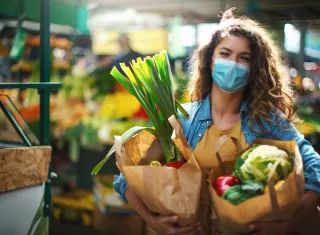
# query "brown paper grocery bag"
(144, 148)
(164, 190)
(277, 204)
(182, 144)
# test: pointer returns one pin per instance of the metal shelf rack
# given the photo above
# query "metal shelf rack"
(44, 87)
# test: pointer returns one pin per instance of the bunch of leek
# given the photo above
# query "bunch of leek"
(150, 81)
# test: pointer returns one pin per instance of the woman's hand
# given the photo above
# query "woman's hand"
(163, 224)
(309, 204)
(168, 225)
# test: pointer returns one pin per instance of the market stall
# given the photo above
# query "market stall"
(90, 107)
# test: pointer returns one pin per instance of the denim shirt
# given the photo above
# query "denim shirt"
(200, 119)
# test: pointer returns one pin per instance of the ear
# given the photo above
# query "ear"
(212, 63)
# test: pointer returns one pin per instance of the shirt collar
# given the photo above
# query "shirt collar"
(244, 106)
(205, 109)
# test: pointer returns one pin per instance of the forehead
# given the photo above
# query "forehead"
(235, 43)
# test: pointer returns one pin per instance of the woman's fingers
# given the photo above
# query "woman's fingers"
(169, 219)
(189, 229)
(183, 230)
(168, 225)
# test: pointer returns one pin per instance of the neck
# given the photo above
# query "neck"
(225, 104)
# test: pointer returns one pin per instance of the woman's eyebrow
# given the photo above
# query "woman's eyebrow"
(229, 50)
(246, 53)
(225, 48)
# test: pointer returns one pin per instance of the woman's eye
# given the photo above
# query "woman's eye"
(246, 59)
(224, 53)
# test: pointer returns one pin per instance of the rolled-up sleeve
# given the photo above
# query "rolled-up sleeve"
(120, 186)
(311, 163)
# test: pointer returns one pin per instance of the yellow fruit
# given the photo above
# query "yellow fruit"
(155, 163)
(118, 105)
(307, 128)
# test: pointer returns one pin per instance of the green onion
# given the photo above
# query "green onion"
(150, 81)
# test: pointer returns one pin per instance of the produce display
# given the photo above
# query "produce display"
(252, 173)
(119, 105)
(84, 110)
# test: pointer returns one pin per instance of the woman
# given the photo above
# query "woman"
(239, 88)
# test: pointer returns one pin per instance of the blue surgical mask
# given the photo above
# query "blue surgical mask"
(230, 76)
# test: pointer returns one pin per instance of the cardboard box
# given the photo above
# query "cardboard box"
(107, 200)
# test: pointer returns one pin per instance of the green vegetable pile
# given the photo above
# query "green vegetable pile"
(253, 169)
(242, 192)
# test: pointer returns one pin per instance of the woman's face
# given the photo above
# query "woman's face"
(235, 48)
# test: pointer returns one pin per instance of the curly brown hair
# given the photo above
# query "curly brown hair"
(268, 85)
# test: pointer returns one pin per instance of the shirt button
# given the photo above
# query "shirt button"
(199, 135)
(208, 122)
(245, 132)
